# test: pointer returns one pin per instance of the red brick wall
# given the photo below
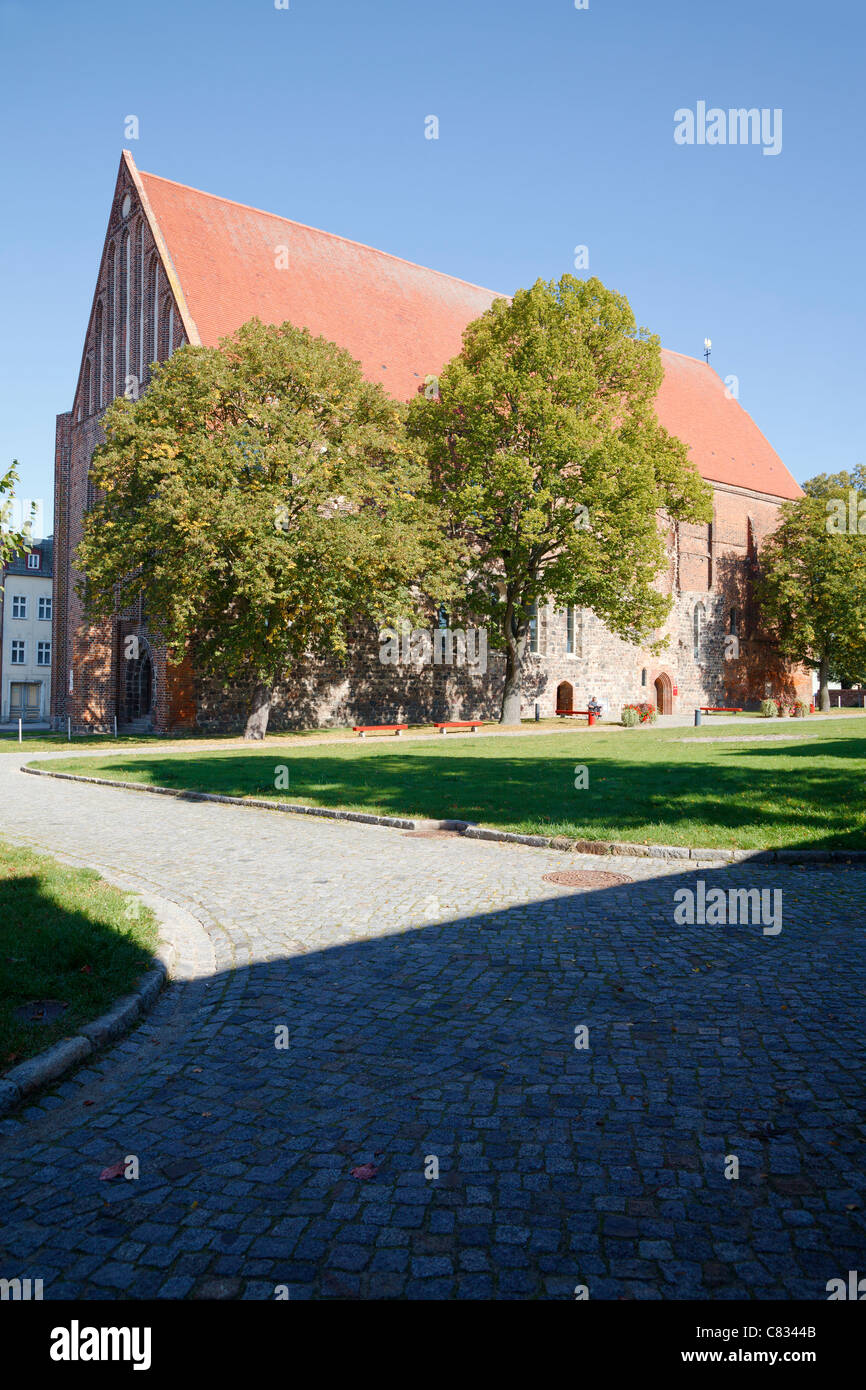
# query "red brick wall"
(92, 652)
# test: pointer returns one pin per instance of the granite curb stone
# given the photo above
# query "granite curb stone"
(480, 832)
(55, 1061)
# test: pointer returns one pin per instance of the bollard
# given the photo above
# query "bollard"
(537, 714)
(115, 726)
(697, 717)
(20, 738)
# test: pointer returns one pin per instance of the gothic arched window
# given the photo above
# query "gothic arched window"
(153, 311)
(85, 406)
(166, 336)
(111, 328)
(100, 359)
(123, 336)
(142, 363)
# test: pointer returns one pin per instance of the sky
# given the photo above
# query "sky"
(556, 130)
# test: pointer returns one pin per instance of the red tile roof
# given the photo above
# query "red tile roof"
(400, 321)
(725, 443)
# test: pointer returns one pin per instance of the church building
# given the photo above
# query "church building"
(180, 266)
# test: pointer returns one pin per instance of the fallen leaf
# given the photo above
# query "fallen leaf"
(365, 1170)
(116, 1170)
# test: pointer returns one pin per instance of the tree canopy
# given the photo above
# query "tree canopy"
(812, 589)
(12, 542)
(260, 496)
(547, 457)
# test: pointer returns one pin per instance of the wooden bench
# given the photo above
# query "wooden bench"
(362, 729)
(718, 709)
(472, 724)
(591, 716)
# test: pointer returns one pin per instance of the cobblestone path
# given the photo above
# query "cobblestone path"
(431, 988)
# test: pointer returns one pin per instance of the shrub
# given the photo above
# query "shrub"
(800, 710)
(643, 713)
(769, 709)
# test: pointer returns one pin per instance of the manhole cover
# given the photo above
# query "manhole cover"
(41, 1011)
(586, 878)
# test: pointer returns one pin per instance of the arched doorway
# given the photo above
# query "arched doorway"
(664, 694)
(565, 695)
(136, 688)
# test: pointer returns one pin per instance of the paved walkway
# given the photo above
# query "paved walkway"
(431, 988)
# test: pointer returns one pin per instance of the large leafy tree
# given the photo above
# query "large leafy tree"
(262, 499)
(12, 542)
(812, 589)
(547, 457)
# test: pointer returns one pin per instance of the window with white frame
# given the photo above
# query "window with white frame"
(17, 653)
(533, 629)
(573, 632)
(43, 653)
(45, 608)
(19, 606)
(34, 560)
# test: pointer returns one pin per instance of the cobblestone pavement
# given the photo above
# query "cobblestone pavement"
(431, 988)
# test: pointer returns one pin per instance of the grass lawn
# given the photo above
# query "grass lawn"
(64, 936)
(44, 741)
(674, 786)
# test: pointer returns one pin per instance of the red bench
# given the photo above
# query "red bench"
(718, 709)
(362, 729)
(564, 713)
(472, 724)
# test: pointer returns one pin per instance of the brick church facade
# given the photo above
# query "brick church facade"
(183, 266)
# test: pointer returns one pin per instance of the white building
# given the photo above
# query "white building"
(25, 635)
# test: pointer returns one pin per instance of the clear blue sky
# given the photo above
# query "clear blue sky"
(556, 129)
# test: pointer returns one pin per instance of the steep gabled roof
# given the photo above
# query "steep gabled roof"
(726, 445)
(399, 320)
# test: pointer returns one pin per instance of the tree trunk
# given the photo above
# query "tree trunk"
(260, 708)
(823, 685)
(514, 653)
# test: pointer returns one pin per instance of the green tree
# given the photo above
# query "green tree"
(547, 457)
(261, 497)
(12, 543)
(812, 588)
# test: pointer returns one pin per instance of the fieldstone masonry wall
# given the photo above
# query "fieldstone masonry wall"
(363, 690)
